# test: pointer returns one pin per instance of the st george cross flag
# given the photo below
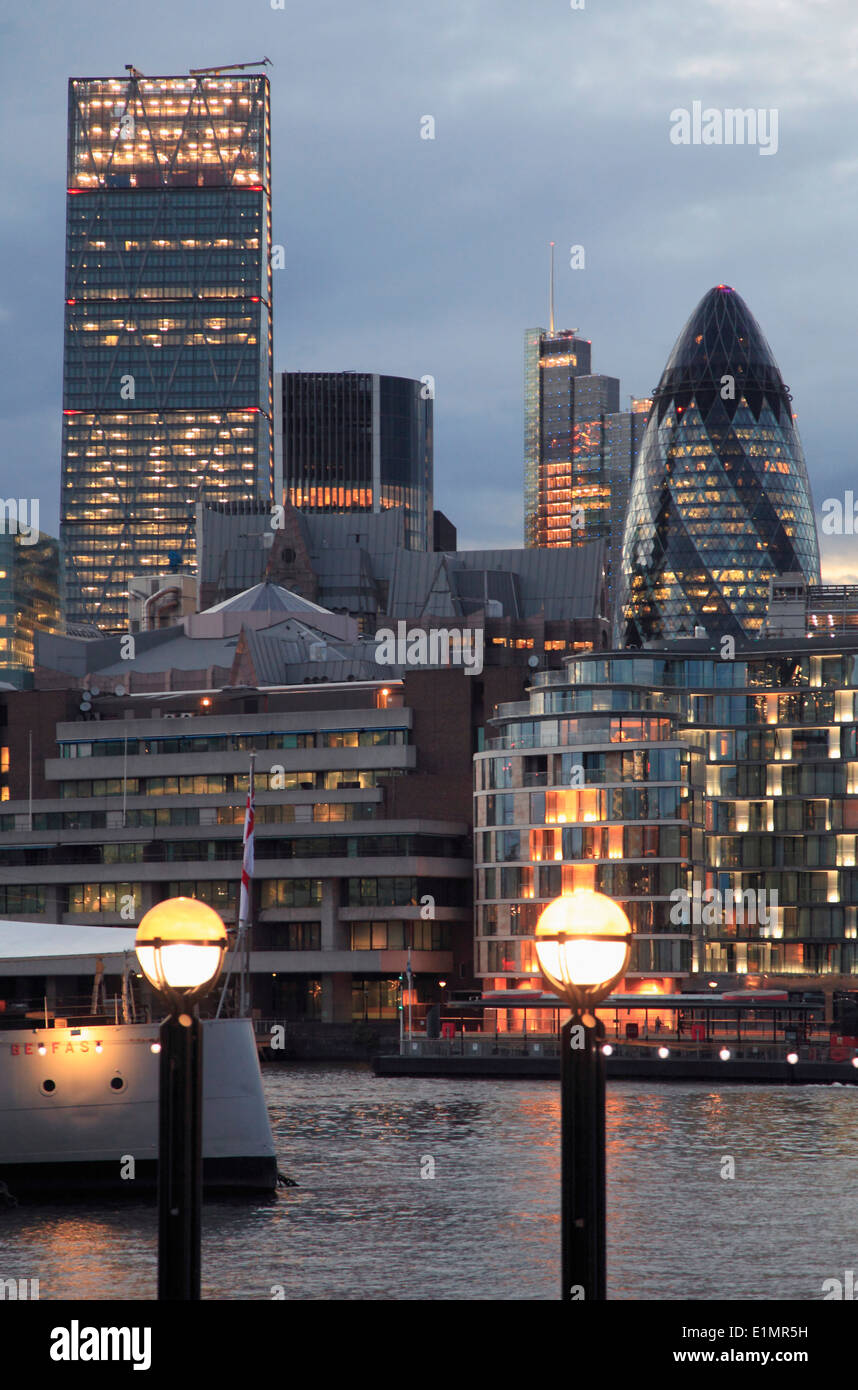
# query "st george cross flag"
(247, 861)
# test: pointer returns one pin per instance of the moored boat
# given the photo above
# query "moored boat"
(79, 1096)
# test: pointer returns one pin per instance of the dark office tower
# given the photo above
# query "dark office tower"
(167, 392)
(720, 499)
(357, 442)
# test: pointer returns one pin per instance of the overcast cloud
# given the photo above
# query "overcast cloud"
(414, 256)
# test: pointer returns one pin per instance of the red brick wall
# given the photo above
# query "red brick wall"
(39, 711)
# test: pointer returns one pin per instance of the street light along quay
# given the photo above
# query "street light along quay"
(583, 944)
(180, 946)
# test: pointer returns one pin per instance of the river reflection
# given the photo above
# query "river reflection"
(445, 1189)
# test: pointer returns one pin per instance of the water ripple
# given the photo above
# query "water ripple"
(369, 1221)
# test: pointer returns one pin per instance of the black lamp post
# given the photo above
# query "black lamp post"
(583, 943)
(180, 946)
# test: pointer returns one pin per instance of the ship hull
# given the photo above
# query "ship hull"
(83, 1118)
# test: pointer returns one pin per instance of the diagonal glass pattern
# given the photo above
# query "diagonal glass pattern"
(720, 500)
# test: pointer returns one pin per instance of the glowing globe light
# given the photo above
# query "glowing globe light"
(724, 1054)
(583, 943)
(792, 1058)
(180, 946)
(663, 1052)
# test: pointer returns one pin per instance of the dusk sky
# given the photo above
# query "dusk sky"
(414, 256)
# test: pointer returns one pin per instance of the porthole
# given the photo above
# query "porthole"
(117, 1083)
(48, 1087)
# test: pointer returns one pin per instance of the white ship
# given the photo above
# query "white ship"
(79, 1099)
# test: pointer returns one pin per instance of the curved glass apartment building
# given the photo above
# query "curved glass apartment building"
(720, 500)
(714, 799)
(588, 784)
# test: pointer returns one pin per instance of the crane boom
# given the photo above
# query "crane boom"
(228, 67)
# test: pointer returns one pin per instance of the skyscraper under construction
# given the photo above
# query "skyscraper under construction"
(167, 390)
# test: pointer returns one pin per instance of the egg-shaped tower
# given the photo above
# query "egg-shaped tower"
(720, 500)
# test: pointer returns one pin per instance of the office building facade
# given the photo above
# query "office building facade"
(29, 600)
(623, 434)
(579, 448)
(720, 500)
(167, 389)
(146, 801)
(357, 442)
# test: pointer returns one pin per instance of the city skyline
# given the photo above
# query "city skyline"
(453, 218)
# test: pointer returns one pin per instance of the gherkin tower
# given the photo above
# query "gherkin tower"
(720, 500)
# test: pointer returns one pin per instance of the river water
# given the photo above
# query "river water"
(449, 1189)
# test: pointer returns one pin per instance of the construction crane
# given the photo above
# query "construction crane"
(228, 67)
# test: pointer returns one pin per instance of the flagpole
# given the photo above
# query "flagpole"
(242, 943)
(245, 912)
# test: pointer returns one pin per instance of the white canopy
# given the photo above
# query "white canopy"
(48, 948)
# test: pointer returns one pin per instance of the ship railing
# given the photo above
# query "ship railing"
(71, 1008)
(547, 1045)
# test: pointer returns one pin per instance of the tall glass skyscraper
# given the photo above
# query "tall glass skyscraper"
(357, 442)
(168, 391)
(720, 499)
(579, 448)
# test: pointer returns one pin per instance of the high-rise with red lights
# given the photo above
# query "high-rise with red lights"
(579, 447)
(167, 388)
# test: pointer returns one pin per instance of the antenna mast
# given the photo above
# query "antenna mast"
(551, 294)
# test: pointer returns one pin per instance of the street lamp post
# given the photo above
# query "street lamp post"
(583, 943)
(180, 946)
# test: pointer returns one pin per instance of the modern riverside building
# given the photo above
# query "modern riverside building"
(579, 447)
(29, 599)
(167, 391)
(143, 799)
(587, 786)
(720, 500)
(714, 799)
(357, 442)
